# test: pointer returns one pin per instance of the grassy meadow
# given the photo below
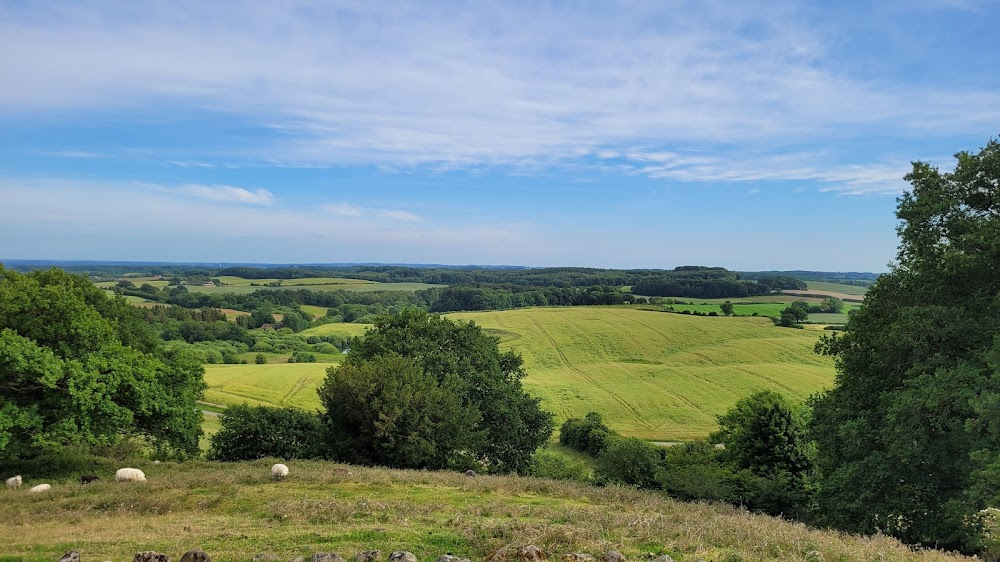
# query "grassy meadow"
(654, 375)
(276, 384)
(836, 288)
(235, 511)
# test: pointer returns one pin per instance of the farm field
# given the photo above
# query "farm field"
(316, 311)
(234, 511)
(836, 288)
(337, 328)
(654, 375)
(273, 384)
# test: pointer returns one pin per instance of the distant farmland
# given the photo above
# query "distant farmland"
(653, 375)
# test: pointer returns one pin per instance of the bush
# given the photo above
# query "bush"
(587, 435)
(630, 461)
(546, 463)
(256, 432)
(260, 359)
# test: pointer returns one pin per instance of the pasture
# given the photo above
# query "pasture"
(235, 511)
(836, 288)
(276, 384)
(337, 328)
(654, 375)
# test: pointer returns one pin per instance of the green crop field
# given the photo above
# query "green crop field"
(279, 384)
(762, 309)
(655, 375)
(337, 328)
(836, 288)
(316, 311)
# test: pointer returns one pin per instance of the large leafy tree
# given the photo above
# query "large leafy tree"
(78, 367)
(908, 439)
(462, 361)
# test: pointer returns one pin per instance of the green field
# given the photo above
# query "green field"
(317, 311)
(836, 288)
(278, 384)
(234, 511)
(655, 375)
(338, 328)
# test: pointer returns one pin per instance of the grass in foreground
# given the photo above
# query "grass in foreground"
(234, 511)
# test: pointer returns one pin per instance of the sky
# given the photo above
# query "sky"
(748, 135)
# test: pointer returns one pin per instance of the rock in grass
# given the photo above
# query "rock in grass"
(660, 558)
(71, 556)
(263, 557)
(151, 556)
(532, 553)
(450, 558)
(298, 559)
(613, 556)
(402, 556)
(577, 557)
(326, 557)
(470, 472)
(368, 556)
(196, 555)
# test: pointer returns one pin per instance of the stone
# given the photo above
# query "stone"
(532, 553)
(196, 555)
(151, 556)
(577, 557)
(660, 558)
(402, 556)
(613, 556)
(71, 556)
(368, 556)
(326, 557)
(265, 557)
(470, 472)
(298, 559)
(451, 558)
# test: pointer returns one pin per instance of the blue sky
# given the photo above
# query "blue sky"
(770, 135)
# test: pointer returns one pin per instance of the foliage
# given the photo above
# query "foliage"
(765, 437)
(587, 435)
(77, 367)
(547, 463)
(629, 461)
(256, 432)
(467, 361)
(388, 411)
(907, 439)
(727, 308)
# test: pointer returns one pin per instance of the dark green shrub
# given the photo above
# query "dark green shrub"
(630, 461)
(256, 432)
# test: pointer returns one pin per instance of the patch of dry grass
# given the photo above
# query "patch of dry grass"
(234, 511)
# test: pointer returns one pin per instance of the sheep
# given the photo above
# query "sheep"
(130, 475)
(279, 471)
(40, 488)
(88, 478)
(14, 482)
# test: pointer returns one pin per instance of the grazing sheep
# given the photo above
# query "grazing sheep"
(279, 471)
(130, 475)
(14, 482)
(470, 472)
(88, 478)
(40, 488)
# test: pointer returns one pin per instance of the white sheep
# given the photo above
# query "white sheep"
(130, 475)
(279, 471)
(14, 482)
(40, 488)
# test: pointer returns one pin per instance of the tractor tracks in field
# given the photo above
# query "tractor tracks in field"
(299, 385)
(592, 380)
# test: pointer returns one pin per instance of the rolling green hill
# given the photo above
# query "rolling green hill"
(653, 375)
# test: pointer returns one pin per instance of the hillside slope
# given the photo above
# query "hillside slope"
(235, 511)
(650, 374)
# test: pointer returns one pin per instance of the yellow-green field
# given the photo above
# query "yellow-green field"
(235, 511)
(655, 375)
(836, 288)
(337, 328)
(280, 384)
(316, 311)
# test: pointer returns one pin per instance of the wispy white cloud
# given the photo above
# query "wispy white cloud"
(349, 210)
(229, 194)
(465, 85)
